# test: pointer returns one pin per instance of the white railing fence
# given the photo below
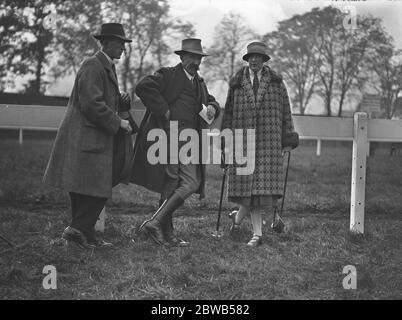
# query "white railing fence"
(359, 129)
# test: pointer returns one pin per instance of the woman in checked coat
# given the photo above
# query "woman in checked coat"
(257, 99)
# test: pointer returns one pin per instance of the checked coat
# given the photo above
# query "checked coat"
(270, 116)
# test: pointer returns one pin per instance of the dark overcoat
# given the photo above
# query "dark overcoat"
(270, 116)
(82, 156)
(158, 92)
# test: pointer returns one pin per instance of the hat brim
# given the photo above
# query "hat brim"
(265, 56)
(102, 36)
(179, 52)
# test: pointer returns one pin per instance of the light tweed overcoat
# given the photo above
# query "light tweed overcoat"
(82, 156)
(271, 118)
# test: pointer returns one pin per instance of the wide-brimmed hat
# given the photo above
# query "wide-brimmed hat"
(112, 30)
(257, 47)
(191, 45)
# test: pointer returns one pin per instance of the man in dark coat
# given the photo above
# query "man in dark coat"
(172, 96)
(91, 152)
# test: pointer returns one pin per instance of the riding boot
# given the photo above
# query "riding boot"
(173, 240)
(154, 227)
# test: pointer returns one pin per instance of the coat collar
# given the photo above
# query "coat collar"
(238, 79)
(179, 67)
(197, 79)
(106, 64)
(242, 79)
(248, 87)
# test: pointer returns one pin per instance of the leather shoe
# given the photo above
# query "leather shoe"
(278, 225)
(153, 229)
(170, 236)
(99, 243)
(234, 227)
(72, 235)
(174, 241)
(255, 241)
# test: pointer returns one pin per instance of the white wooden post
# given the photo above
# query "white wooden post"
(318, 147)
(359, 158)
(100, 223)
(21, 134)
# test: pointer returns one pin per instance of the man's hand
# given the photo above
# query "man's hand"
(167, 115)
(210, 112)
(125, 125)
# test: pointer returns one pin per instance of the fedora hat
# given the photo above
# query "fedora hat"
(257, 47)
(191, 45)
(112, 30)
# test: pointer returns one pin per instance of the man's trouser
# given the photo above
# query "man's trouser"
(85, 211)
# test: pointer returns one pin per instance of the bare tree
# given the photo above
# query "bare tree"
(292, 53)
(355, 48)
(388, 68)
(231, 37)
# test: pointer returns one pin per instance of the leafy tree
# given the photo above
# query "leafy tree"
(24, 41)
(150, 26)
(27, 47)
(77, 21)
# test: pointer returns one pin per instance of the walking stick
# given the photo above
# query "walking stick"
(277, 224)
(217, 233)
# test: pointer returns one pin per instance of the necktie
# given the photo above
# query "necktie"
(114, 70)
(195, 84)
(255, 85)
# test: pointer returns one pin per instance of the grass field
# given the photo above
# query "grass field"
(305, 262)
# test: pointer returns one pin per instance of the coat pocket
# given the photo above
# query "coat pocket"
(93, 139)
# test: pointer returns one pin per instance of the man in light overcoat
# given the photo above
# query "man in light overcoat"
(93, 147)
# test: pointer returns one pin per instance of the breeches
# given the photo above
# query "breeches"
(182, 179)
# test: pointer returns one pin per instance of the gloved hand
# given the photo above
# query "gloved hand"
(290, 140)
(125, 102)
(286, 149)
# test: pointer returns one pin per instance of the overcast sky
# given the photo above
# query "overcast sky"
(262, 16)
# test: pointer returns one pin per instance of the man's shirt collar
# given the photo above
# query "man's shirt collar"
(189, 76)
(108, 58)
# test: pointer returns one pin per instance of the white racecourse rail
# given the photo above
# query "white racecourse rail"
(359, 129)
